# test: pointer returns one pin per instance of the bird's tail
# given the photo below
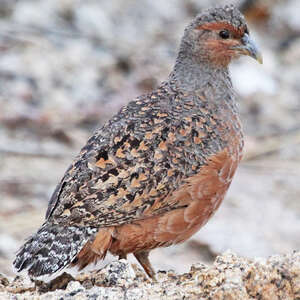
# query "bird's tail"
(51, 249)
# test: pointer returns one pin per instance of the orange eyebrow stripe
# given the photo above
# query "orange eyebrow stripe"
(237, 32)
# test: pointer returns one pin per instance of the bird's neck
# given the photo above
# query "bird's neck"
(193, 74)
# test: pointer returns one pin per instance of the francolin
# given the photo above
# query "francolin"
(155, 173)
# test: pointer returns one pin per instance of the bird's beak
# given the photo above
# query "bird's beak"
(248, 47)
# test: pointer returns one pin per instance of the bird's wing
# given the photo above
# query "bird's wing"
(129, 167)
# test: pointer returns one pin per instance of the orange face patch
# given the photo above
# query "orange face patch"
(237, 32)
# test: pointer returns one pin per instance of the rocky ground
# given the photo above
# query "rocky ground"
(66, 66)
(230, 277)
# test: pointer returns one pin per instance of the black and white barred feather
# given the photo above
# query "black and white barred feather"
(51, 249)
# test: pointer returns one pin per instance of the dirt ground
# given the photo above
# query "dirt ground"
(67, 66)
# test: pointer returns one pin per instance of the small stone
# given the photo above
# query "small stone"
(74, 285)
(3, 280)
(117, 273)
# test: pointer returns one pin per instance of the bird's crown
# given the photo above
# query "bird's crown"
(228, 13)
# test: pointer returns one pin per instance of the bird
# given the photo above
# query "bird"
(157, 171)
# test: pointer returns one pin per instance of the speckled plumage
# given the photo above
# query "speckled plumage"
(154, 173)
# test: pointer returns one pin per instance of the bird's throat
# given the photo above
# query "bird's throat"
(192, 75)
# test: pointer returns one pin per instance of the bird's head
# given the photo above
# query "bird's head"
(219, 35)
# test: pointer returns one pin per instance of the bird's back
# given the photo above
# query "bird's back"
(143, 154)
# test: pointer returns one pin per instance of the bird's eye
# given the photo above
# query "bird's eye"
(224, 34)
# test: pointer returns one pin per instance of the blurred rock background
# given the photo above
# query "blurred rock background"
(66, 66)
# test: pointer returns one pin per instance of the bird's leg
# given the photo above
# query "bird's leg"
(123, 256)
(143, 259)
